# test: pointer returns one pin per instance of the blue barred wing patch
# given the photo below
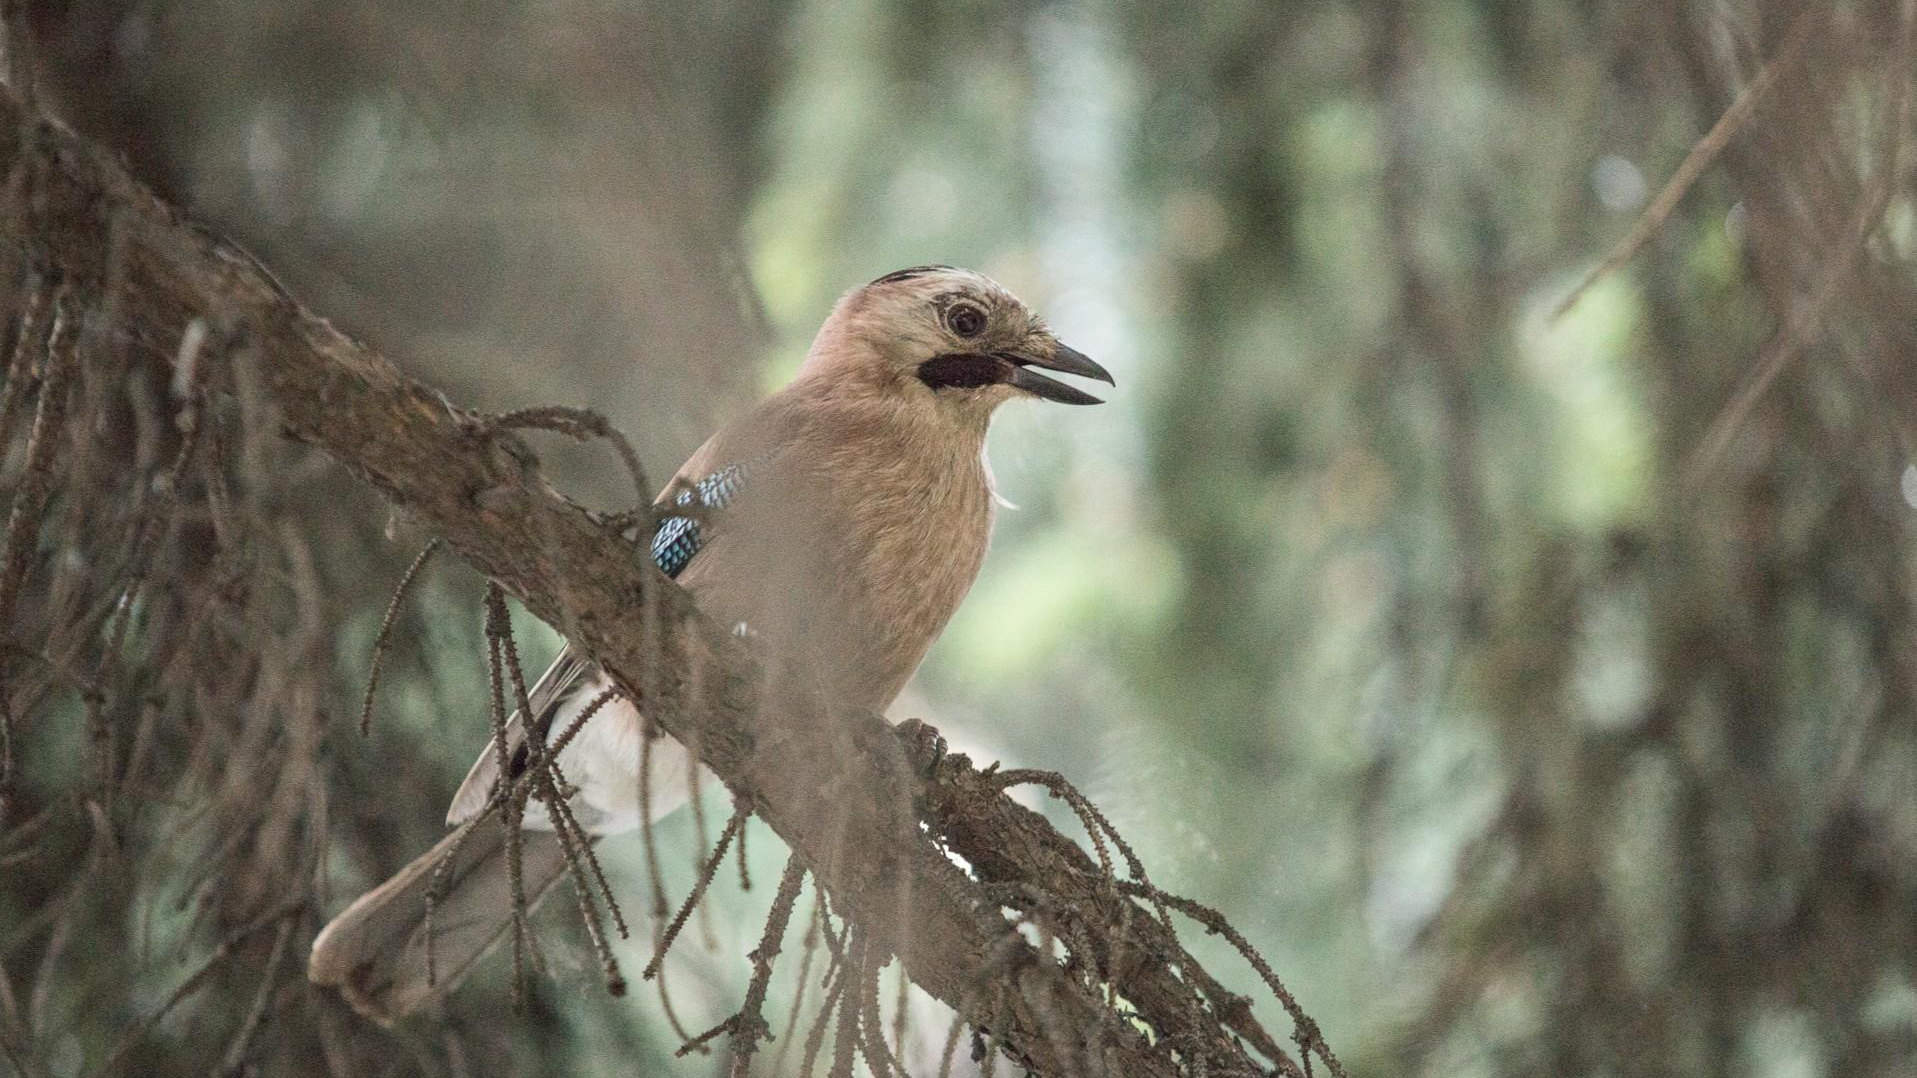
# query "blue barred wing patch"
(679, 538)
(674, 544)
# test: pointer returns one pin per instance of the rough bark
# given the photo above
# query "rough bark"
(838, 787)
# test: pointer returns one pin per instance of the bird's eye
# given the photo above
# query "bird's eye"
(966, 320)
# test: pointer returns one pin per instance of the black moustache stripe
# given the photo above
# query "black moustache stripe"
(961, 370)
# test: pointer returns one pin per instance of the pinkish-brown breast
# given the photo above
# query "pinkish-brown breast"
(851, 551)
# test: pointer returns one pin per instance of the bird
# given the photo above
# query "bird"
(840, 522)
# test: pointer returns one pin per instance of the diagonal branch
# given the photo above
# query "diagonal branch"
(838, 786)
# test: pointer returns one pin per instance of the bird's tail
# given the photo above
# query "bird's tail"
(375, 952)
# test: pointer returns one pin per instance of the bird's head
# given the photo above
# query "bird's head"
(945, 341)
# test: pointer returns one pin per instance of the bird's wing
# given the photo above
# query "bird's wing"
(563, 680)
(679, 538)
(714, 479)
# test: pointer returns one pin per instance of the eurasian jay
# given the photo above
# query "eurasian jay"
(840, 521)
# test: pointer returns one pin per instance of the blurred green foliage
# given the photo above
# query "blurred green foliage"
(1383, 607)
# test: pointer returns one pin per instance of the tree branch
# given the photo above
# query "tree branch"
(837, 786)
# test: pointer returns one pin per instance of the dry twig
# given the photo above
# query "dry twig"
(386, 632)
(1702, 155)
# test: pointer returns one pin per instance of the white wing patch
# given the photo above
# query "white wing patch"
(600, 763)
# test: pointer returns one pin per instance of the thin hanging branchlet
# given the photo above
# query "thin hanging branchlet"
(815, 1036)
(834, 966)
(695, 779)
(833, 942)
(801, 982)
(1055, 921)
(655, 877)
(189, 387)
(649, 732)
(501, 626)
(580, 424)
(382, 641)
(236, 1051)
(544, 779)
(745, 872)
(576, 847)
(907, 901)
(706, 871)
(996, 1041)
(665, 1001)
(901, 1009)
(582, 860)
(511, 817)
(36, 483)
(1093, 820)
(879, 1056)
(23, 352)
(952, 1035)
(651, 627)
(1309, 1037)
(651, 630)
(748, 1025)
(845, 1046)
(436, 886)
(132, 1036)
(595, 930)
(558, 778)
(1192, 999)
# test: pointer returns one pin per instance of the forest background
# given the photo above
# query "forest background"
(1532, 684)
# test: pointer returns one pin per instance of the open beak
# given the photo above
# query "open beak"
(1054, 357)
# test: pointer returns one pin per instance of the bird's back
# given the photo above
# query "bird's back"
(850, 542)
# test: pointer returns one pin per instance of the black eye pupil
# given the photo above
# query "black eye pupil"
(967, 321)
